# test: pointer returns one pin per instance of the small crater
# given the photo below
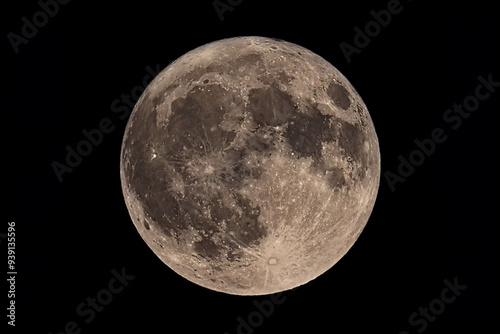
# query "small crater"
(146, 225)
(234, 255)
(272, 261)
(206, 81)
(274, 47)
(157, 242)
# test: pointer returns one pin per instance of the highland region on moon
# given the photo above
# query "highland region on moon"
(250, 165)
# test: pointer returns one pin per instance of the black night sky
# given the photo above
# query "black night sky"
(424, 263)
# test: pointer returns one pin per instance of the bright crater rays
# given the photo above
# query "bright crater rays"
(250, 166)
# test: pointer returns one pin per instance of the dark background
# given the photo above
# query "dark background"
(437, 225)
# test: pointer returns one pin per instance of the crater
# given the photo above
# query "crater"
(234, 255)
(198, 72)
(190, 173)
(339, 95)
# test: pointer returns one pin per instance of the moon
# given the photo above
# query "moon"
(250, 165)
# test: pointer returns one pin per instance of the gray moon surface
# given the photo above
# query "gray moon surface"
(250, 165)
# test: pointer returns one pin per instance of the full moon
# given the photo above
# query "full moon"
(250, 165)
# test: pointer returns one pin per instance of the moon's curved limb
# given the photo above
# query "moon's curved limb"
(250, 165)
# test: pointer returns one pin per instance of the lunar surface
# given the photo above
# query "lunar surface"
(250, 166)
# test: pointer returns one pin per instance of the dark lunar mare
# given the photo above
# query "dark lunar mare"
(215, 159)
(195, 117)
(190, 133)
